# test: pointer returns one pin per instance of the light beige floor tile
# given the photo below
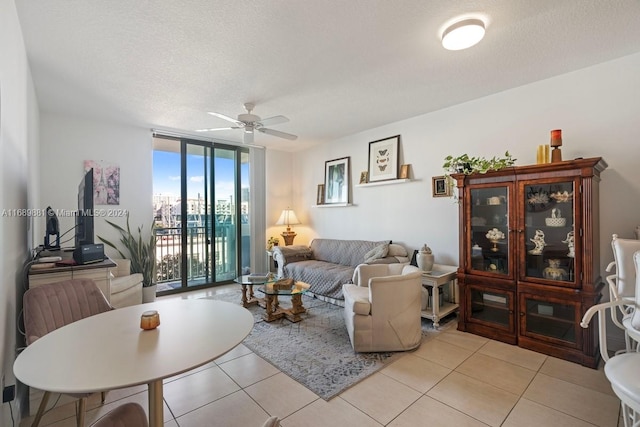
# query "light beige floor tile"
(280, 395)
(482, 401)
(94, 414)
(381, 397)
(190, 372)
(463, 339)
(416, 372)
(234, 410)
(504, 375)
(530, 414)
(238, 351)
(248, 369)
(123, 393)
(513, 354)
(61, 408)
(335, 413)
(443, 353)
(577, 374)
(592, 406)
(196, 390)
(429, 412)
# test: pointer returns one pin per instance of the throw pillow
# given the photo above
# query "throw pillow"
(397, 250)
(378, 252)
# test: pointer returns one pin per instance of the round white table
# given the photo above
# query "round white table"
(109, 350)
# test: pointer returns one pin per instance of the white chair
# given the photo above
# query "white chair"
(126, 288)
(622, 370)
(382, 307)
(622, 284)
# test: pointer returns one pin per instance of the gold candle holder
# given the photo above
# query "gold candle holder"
(149, 320)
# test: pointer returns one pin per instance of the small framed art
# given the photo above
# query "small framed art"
(363, 177)
(336, 181)
(404, 172)
(320, 195)
(440, 186)
(384, 159)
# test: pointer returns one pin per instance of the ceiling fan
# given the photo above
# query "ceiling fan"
(250, 123)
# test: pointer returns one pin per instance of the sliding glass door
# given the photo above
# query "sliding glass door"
(204, 229)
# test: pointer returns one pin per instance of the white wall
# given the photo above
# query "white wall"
(67, 142)
(18, 142)
(596, 108)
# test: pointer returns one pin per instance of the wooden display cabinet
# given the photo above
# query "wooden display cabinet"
(529, 256)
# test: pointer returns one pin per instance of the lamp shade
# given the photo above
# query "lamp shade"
(288, 217)
(463, 34)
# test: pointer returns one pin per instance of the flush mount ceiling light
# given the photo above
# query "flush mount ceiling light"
(463, 34)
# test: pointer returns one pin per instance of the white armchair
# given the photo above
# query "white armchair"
(382, 307)
(126, 288)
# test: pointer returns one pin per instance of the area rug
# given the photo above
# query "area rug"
(316, 352)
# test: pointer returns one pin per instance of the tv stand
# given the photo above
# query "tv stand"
(99, 272)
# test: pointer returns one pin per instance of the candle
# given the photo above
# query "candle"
(545, 154)
(539, 155)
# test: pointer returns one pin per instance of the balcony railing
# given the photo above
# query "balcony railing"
(199, 254)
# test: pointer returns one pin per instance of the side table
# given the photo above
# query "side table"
(439, 276)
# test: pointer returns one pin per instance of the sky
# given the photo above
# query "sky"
(166, 175)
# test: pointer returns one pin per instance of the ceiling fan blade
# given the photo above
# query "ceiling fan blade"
(213, 129)
(227, 118)
(275, 120)
(278, 134)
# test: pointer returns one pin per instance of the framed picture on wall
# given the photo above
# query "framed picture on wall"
(404, 172)
(336, 181)
(320, 195)
(384, 159)
(440, 187)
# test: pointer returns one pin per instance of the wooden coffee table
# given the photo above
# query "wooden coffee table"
(247, 281)
(274, 311)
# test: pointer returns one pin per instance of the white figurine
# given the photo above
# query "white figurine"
(571, 243)
(538, 240)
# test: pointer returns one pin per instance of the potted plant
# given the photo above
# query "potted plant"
(273, 241)
(470, 164)
(141, 253)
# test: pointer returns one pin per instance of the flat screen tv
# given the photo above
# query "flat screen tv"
(84, 217)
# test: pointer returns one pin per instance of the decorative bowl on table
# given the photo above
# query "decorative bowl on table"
(555, 222)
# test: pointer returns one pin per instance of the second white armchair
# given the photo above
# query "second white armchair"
(382, 307)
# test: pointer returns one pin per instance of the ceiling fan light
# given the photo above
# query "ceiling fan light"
(463, 34)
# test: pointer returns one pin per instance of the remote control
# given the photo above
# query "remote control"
(50, 259)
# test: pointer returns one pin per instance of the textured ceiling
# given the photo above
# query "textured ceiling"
(333, 67)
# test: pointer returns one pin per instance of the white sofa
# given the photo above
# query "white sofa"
(382, 307)
(126, 288)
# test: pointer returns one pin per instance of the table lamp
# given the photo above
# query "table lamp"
(288, 218)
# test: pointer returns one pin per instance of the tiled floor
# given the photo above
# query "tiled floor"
(454, 379)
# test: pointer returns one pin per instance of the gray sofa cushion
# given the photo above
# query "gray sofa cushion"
(343, 252)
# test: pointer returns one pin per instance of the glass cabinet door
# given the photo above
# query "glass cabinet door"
(549, 233)
(550, 319)
(489, 237)
(492, 307)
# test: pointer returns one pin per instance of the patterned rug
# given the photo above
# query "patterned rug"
(316, 352)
